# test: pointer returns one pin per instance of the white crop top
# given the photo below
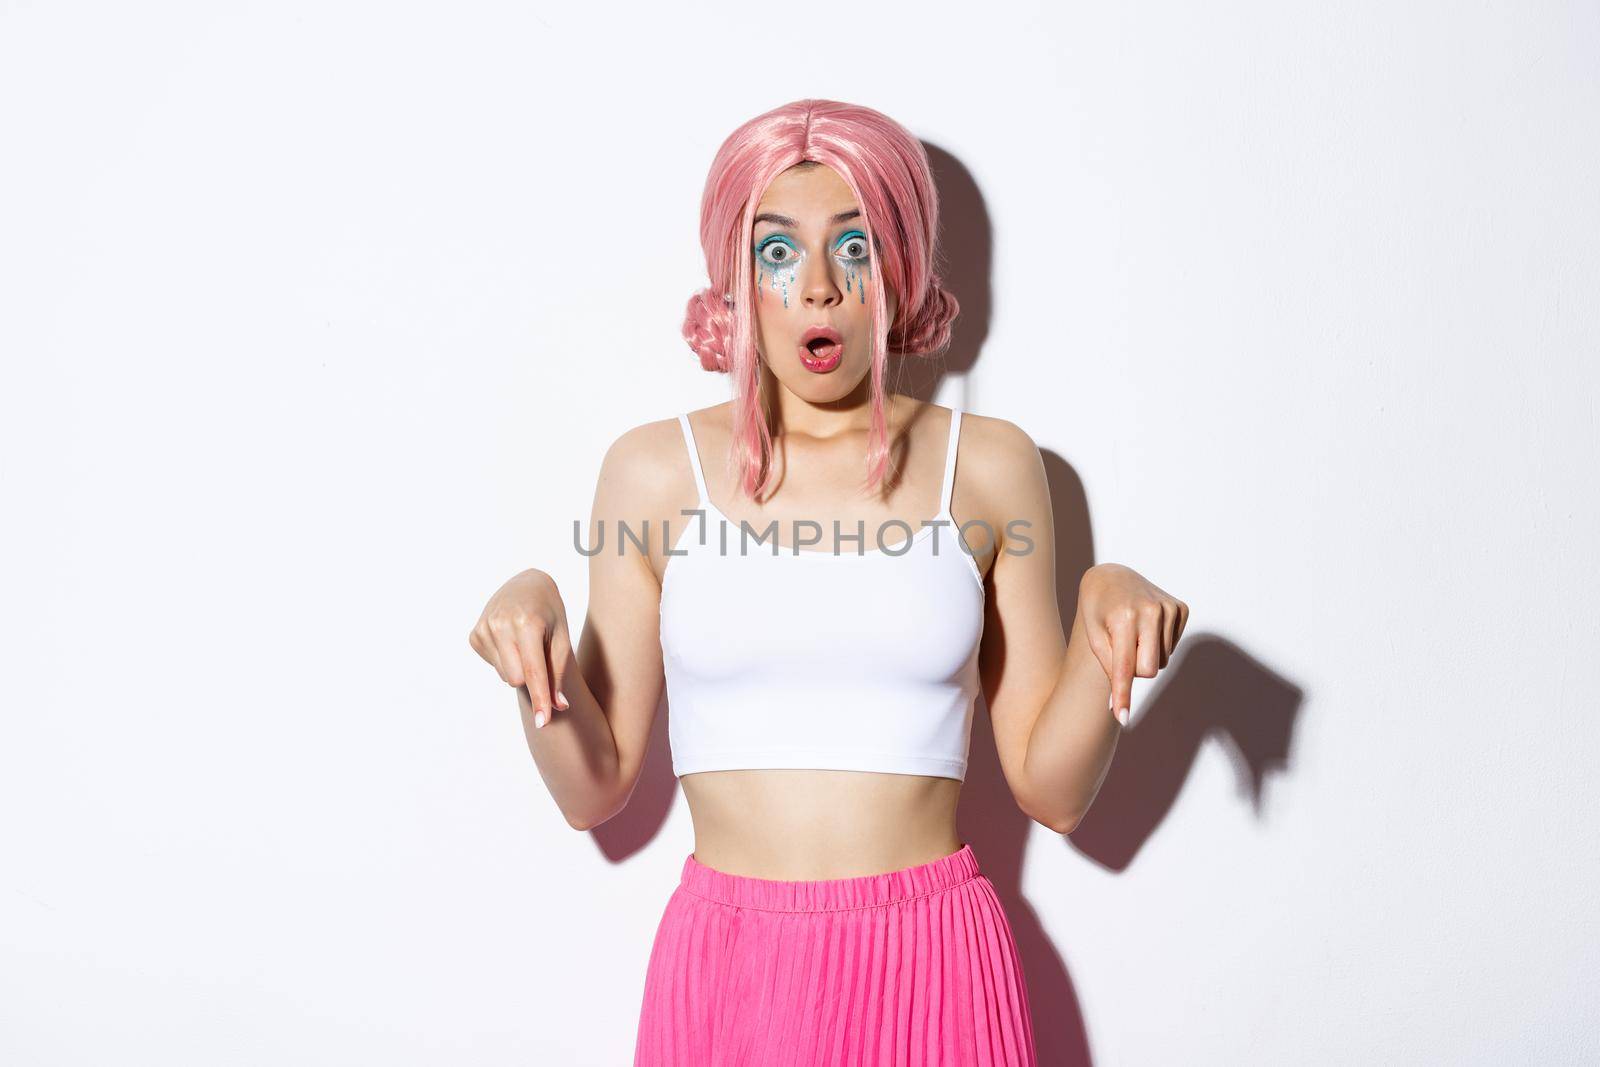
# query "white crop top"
(863, 659)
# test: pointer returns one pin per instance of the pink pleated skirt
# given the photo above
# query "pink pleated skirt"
(909, 968)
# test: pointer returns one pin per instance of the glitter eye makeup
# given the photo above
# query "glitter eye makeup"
(780, 257)
(854, 245)
(777, 255)
(777, 251)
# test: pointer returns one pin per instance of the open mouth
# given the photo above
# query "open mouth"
(821, 347)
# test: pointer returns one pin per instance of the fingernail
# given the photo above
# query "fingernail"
(1122, 716)
(539, 719)
(561, 700)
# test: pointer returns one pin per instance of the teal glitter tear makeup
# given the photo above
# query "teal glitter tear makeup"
(856, 276)
(783, 261)
(855, 266)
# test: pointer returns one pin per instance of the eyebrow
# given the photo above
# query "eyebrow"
(784, 220)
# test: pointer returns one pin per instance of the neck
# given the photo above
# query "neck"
(790, 413)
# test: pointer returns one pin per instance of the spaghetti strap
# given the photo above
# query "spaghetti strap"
(948, 489)
(694, 459)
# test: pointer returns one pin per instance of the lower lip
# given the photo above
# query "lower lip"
(821, 364)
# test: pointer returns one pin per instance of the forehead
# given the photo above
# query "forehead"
(808, 194)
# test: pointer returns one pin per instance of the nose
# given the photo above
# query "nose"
(817, 287)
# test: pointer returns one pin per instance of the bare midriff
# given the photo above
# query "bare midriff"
(815, 824)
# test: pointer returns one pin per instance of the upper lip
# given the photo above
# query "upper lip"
(814, 332)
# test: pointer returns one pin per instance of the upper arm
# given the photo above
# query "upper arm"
(619, 652)
(1024, 642)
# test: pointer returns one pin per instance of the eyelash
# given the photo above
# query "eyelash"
(853, 235)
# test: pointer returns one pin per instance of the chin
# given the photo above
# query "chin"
(832, 385)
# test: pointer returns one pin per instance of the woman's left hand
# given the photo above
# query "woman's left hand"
(1132, 626)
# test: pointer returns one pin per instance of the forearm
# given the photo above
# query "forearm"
(1073, 740)
(576, 753)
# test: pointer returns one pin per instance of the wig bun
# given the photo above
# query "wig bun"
(708, 327)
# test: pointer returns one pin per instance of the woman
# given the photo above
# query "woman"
(821, 640)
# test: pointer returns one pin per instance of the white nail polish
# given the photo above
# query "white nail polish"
(539, 719)
(1122, 716)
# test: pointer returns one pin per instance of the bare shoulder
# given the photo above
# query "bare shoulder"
(995, 437)
(999, 455)
(646, 480)
(644, 455)
(1000, 479)
(645, 472)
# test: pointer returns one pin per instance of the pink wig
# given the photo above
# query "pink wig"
(887, 170)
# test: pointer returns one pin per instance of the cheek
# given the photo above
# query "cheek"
(770, 313)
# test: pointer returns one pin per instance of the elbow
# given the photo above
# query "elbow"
(1066, 826)
(602, 801)
(1056, 816)
(588, 820)
(1060, 824)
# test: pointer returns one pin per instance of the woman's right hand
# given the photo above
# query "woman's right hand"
(522, 633)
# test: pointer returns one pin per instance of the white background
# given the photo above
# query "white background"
(318, 318)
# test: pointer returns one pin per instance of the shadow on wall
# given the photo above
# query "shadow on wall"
(1212, 687)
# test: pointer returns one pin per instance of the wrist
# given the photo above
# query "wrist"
(1098, 573)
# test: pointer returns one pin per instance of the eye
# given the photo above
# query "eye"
(852, 245)
(776, 251)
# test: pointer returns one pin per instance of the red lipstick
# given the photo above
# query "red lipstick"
(821, 348)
